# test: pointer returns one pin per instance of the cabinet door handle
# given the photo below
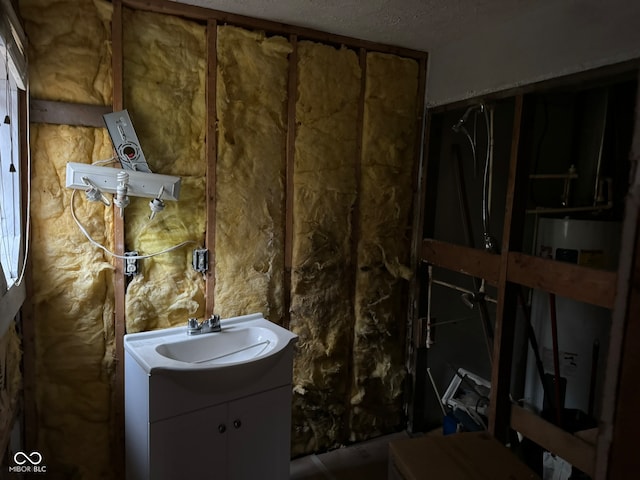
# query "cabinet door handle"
(237, 423)
(222, 428)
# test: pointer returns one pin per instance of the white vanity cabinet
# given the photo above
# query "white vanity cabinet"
(244, 439)
(209, 419)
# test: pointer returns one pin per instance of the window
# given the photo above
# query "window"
(13, 71)
(10, 206)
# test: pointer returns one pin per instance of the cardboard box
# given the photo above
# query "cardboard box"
(462, 456)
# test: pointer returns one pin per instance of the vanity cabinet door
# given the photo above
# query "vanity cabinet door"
(245, 439)
(193, 445)
(260, 436)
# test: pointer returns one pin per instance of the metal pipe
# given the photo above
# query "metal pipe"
(459, 127)
(599, 163)
(449, 322)
(428, 341)
(435, 390)
(489, 243)
(464, 204)
(531, 334)
(553, 176)
(556, 359)
(472, 298)
(460, 289)
(570, 209)
(567, 187)
(595, 353)
(486, 326)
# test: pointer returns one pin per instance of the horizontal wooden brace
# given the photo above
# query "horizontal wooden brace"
(66, 113)
(583, 284)
(588, 285)
(573, 449)
(470, 261)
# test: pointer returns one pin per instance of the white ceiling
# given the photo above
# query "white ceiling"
(475, 46)
(417, 24)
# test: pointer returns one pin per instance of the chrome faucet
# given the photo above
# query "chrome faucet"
(212, 324)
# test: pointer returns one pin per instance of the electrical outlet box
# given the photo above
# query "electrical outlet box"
(201, 260)
(139, 184)
(131, 266)
(125, 141)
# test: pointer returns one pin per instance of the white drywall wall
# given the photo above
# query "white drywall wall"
(534, 44)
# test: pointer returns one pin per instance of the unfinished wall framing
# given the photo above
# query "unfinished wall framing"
(251, 101)
(517, 267)
(384, 241)
(10, 382)
(324, 199)
(70, 280)
(304, 199)
(164, 72)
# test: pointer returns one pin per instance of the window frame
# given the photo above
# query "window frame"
(13, 57)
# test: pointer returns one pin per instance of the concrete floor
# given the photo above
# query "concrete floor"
(361, 461)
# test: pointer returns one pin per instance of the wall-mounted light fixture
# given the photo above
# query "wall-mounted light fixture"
(96, 181)
(134, 178)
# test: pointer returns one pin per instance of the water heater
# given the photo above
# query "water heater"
(582, 329)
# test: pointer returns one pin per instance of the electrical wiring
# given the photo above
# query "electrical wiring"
(113, 254)
(106, 161)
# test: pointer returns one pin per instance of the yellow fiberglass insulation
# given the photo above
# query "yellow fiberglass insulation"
(72, 306)
(251, 106)
(389, 132)
(69, 49)
(10, 378)
(168, 290)
(164, 92)
(72, 287)
(325, 187)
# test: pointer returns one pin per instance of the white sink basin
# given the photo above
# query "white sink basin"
(232, 345)
(245, 347)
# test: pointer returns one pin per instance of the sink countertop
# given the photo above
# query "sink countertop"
(143, 346)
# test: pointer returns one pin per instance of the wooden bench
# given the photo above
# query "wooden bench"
(461, 456)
